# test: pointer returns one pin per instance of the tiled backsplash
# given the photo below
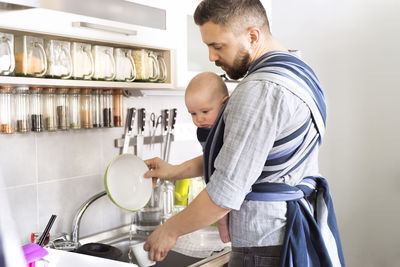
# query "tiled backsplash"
(54, 173)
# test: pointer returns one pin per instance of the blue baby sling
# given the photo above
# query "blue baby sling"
(312, 236)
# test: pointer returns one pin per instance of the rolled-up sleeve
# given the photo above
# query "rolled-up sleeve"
(252, 118)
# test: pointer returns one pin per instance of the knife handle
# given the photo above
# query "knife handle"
(141, 119)
(165, 117)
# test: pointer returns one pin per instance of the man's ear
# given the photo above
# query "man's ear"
(253, 35)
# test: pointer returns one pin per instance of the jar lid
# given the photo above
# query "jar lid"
(86, 90)
(49, 89)
(63, 89)
(22, 88)
(6, 88)
(35, 88)
(107, 90)
(118, 92)
(75, 90)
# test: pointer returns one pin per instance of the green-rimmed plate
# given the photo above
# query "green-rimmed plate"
(125, 184)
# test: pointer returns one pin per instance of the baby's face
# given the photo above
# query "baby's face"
(204, 109)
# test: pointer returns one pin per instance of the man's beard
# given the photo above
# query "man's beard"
(240, 66)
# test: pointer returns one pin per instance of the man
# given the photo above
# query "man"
(261, 156)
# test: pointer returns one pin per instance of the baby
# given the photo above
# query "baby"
(205, 95)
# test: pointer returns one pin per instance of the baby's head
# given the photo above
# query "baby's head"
(204, 97)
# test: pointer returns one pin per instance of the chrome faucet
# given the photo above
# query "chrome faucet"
(79, 214)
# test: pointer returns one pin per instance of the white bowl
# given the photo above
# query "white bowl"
(125, 184)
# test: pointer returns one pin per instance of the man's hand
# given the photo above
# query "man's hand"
(159, 243)
(160, 169)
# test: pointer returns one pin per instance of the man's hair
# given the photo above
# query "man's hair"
(238, 15)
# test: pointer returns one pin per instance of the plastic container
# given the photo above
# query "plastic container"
(82, 61)
(6, 99)
(124, 65)
(50, 111)
(36, 108)
(62, 107)
(74, 108)
(104, 63)
(30, 57)
(22, 108)
(59, 59)
(7, 61)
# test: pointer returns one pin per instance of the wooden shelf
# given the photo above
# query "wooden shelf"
(48, 82)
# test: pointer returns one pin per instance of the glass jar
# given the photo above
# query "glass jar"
(62, 106)
(163, 73)
(146, 65)
(7, 62)
(6, 98)
(50, 111)
(86, 108)
(108, 107)
(59, 59)
(124, 65)
(30, 57)
(36, 107)
(22, 108)
(118, 107)
(82, 61)
(104, 64)
(75, 108)
(97, 105)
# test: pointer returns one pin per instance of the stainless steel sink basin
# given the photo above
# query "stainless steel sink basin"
(119, 238)
(173, 258)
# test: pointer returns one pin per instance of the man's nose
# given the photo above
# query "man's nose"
(212, 55)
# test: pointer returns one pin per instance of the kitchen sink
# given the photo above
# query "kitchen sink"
(119, 238)
(173, 259)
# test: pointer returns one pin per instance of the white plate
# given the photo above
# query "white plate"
(125, 184)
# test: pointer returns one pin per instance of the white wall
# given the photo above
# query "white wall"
(54, 173)
(353, 47)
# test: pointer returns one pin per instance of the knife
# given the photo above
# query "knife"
(171, 126)
(130, 119)
(140, 137)
(164, 132)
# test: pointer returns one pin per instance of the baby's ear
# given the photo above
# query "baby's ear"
(224, 99)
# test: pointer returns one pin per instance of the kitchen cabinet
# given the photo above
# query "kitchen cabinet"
(192, 53)
(60, 25)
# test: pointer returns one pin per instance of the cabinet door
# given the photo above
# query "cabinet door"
(192, 53)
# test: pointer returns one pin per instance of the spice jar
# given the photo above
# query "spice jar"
(108, 107)
(49, 104)
(86, 108)
(62, 107)
(7, 62)
(6, 109)
(97, 106)
(22, 108)
(146, 63)
(118, 107)
(36, 107)
(124, 65)
(82, 59)
(30, 57)
(75, 108)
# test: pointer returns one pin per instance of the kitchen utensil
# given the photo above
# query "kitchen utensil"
(7, 62)
(140, 137)
(130, 119)
(164, 132)
(153, 127)
(171, 126)
(100, 250)
(125, 184)
(30, 57)
(46, 230)
(124, 65)
(32, 253)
